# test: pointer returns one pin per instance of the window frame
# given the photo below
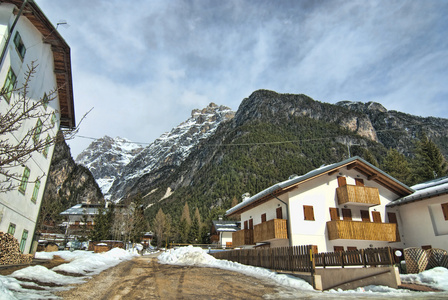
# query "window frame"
(23, 240)
(47, 146)
(38, 130)
(12, 228)
(35, 191)
(9, 85)
(24, 181)
(20, 46)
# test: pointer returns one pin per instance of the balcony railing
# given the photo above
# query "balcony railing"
(243, 237)
(272, 229)
(353, 194)
(357, 230)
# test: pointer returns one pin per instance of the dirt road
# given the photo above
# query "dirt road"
(145, 278)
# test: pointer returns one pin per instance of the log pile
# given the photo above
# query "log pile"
(10, 251)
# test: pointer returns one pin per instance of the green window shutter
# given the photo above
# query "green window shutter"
(37, 131)
(12, 228)
(9, 85)
(47, 146)
(45, 100)
(35, 191)
(23, 241)
(53, 119)
(25, 177)
(20, 46)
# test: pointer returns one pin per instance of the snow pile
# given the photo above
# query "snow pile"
(194, 256)
(436, 278)
(79, 262)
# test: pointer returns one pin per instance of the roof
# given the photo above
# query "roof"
(362, 166)
(82, 209)
(226, 226)
(425, 190)
(61, 57)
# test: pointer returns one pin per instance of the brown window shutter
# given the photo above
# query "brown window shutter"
(308, 212)
(251, 223)
(351, 248)
(346, 214)
(359, 181)
(263, 218)
(279, 213)
(392, 217)
(342, 181)
(445, 210)
(338, 248)
(376, 216)
(334, 213)
(365, 217)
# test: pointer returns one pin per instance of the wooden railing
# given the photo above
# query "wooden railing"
(368, 196)
(272, 229)
(357, 230)
(243, 237)
(361, 257)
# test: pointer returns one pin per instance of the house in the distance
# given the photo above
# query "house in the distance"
(342, 206)
(27, 37)
(424, 215)
(221, 232)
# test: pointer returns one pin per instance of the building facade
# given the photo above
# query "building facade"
(28, 38)
(337, 207)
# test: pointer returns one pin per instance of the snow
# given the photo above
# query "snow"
(80, 262)
(194, 256)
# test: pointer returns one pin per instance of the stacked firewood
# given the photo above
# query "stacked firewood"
(10, 251)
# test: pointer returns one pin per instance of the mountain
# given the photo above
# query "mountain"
(118, 167)
(106, 158)
(215, 156)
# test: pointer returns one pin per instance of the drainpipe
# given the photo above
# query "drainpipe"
(2, 57)
(288, 226)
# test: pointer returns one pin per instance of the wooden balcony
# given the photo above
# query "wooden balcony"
(360, 195)
(272, 229)
(243, 237)
(357, 230)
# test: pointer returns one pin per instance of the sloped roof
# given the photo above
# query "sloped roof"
(226, 226)
(362, 166)
(61, 57)
(425, 190)
(82, 209)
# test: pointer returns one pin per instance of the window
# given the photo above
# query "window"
(445, 211)
(263, 218)
(351, 248)
(308, 212)
(365, 217)
(334, 213)
(12, 228)
(45, 100)
(342, 181)
(20, 47)
(346, 214)
(47, 146)
(23, 240)
(9, 85)
(279, 213)
(37, 131)
(376, 216)
(35, 191)
(338, 248)
(24, 181)
(53, 119)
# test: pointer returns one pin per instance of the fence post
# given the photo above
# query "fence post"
(313, 266)
(363, 257)
(341, 254)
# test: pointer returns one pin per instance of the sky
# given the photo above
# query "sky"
(144, 65)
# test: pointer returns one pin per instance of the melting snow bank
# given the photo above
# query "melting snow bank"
(194, 256)
(79, 262)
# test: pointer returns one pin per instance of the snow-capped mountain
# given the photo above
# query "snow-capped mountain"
(116, 165)
(106, 158)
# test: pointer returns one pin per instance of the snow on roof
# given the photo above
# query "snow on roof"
(424, 190)
(226, 226)
(321, 170)
(82, 209)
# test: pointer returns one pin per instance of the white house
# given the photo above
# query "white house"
(336, 207)
(424, 215)
(28, 36)
(221, 232)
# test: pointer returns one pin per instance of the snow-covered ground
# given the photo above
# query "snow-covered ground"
(88, 263)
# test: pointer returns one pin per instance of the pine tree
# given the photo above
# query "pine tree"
(429, 160)
(162, 228)
(396, 165)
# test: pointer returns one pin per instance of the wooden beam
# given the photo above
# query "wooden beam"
(372, 177)
(351, 166)
(333, 172)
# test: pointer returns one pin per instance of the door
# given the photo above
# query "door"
(376, 216)
(263, 218)
(334, 214)
(279, 213)
(346, 214)
(365, 217)
(342, 181)
(359, 181)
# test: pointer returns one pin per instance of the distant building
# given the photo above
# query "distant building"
(338, 207)
(424, 215)
(221, 232)
(28, 36)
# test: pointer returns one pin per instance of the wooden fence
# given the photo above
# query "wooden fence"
(302, 258)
